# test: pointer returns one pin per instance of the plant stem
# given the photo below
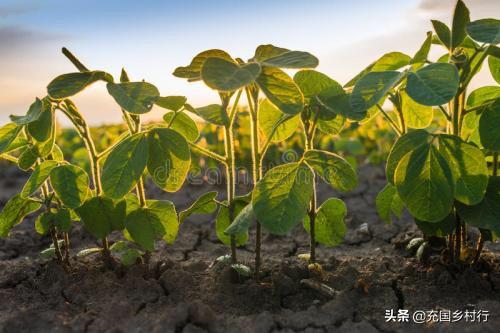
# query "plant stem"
(391, 122)
(309, 135)
(443, 111)
(458, 238)
(9, 158)
(208, 153)
(231, 186)
(53, 234)
(66, 248)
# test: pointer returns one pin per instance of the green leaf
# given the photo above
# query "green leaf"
(468, 167)
(71, 184)
(223, 75)
(432, 85)
(8, 133)
(329, 224)
(128, 255)
(494, 64)
(28, 158)
(441, 228)
(100, 216)
(272, 56)
(370, 89)
(324, 92)
(489, 125)
(125, 165)
(485, 30)
(14, 212)
(222, 222)
(62, 220)
(281, 199)
(165, 211)
(270, 117)
(40, 174)
(425, 183)
(145, 227)
(460, 20)
(193, 70)
(172, 103)
(333, 126)
(486, 214)
(443, 33)
(280, 89)
(241, 222)
(415, 115)
(183, 124)
(34, 112)
(67, 85)
(205, 204)
(483, 96)
(388, 62)
(44, 222)
(421, 56)
(134, 97)
(169, 158)
(332, 168)
(214, 114)
(42, 128)
(388, 203)
(57, 154)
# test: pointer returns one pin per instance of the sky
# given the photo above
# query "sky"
(151, 38)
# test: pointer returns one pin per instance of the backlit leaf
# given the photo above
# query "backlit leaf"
(388, 203)
(14, 212)
(71, 184)
(223, 75)
(485, 30)
(134, 97)
(67, 85)
(329, 223)
(432, 85)
(183, 124)
(100, 216)
(270, 116)
(40, 174)
(332, 168)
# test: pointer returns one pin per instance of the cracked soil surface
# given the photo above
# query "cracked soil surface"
(182, 290)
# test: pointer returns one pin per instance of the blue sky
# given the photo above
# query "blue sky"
(151, 38)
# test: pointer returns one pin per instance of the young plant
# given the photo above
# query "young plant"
(442, 176)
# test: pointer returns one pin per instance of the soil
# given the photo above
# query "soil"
(183, 289)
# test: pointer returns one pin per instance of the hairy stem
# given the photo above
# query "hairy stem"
(309, 136)
(391, 122)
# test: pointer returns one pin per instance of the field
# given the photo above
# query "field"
(295, 204)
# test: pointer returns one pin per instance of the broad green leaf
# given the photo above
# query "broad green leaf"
(280, 89)
(44, 222)
(332, 168)
(494, 64)
(67, 85)
(8, 134)
(165, 211)
(441, 228)
(425, 183)
(19, 142)
(483, 96)
(127, 254)
(57, 154)
(125, 165)
(281, 199)
(323, 92)
(28, 158)
(443, 32)
(486, 214)
(222, 222)
(460, 20)
(14, 212)
(388, 203)
(183, 124)
(40, 174)
(172, 103)
(223, 75)
(270, 117)
(421, 55)
(388, 62)
(333, 126)
(242, 221)
(205, 204)
(370, 89)
(415, 115)
(489, 127)
(44, 149)
(100, 216)
(272, 56)
(42, 128)
(432, 85)
(193, 70)
(214, 114)
(71, 184)
(169, 158)
(468, 167)
(485, 30)
(34, 112)
(329, 226)
(62, 220)
(145, 227)
(134, 97)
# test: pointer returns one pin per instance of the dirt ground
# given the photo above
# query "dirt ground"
(182, 290)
